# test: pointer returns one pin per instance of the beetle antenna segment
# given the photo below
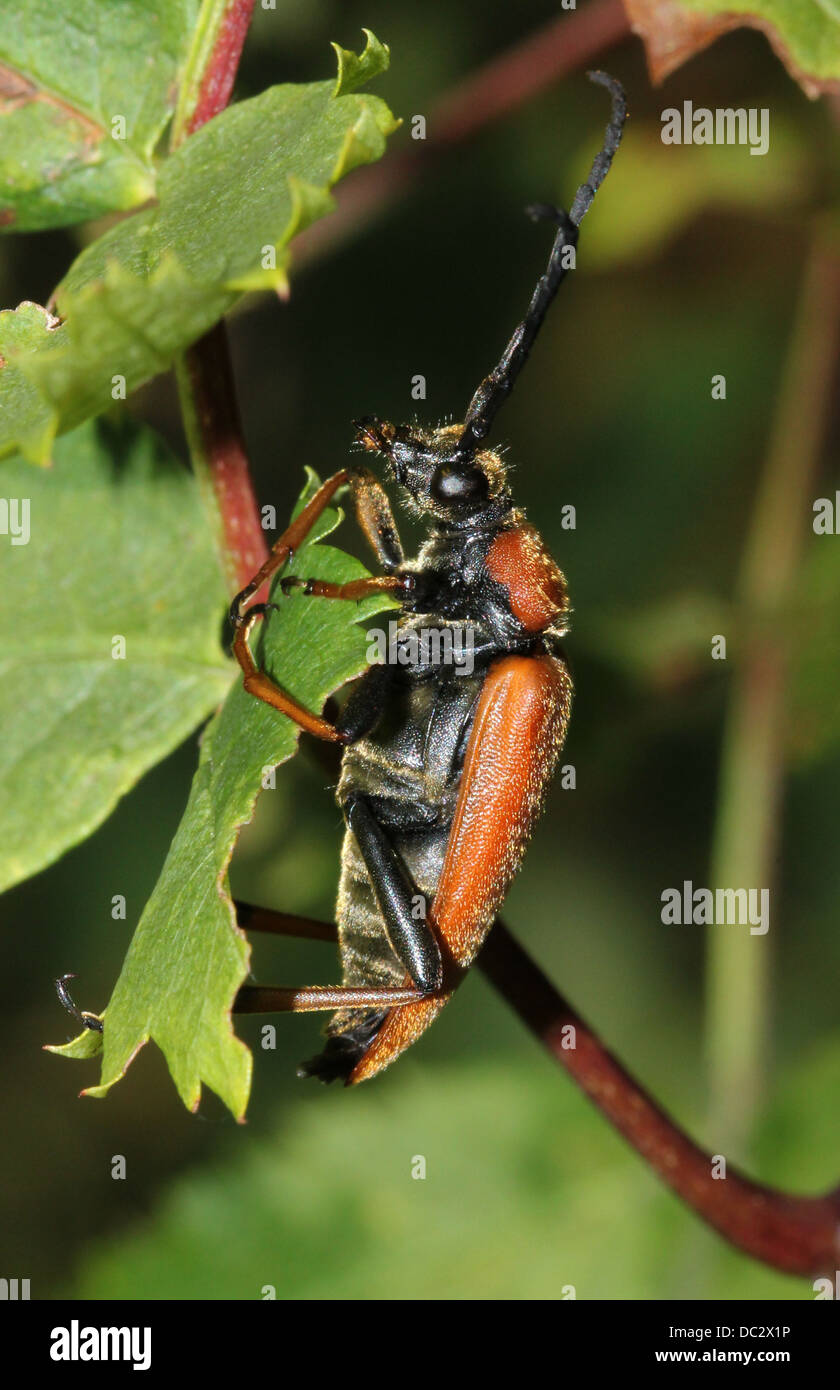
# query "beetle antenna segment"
(92, 1021)
(496, 387)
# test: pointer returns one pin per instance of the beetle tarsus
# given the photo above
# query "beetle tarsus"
(88, 1020)
(342, 1051)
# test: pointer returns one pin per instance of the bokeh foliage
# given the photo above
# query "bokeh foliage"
(526, 1189)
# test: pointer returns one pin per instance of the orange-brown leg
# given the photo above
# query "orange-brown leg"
(243, 619)
(355, 589)
(264, 688)
(267, 999)
(271, 999)
(286, 545)
(266, 919)
(256, 682)
(263, 998)
(374, 515)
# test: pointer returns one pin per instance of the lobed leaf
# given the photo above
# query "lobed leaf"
(86, 89)
(188, 958)
(804, 33)
(117, 547)
(231, 198)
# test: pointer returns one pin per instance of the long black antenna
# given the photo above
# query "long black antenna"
(496, 387)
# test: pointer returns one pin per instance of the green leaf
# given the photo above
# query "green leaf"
(353, 71)
(122, 330)
(187, 958)
(805, 34)
(27, 329)
(68, 72)
(86, 1044)
(118, 546)
(232, 197)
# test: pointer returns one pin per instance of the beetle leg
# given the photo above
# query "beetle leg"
(265, 919)
(367, 701)
(264, 688)
(264, 999)
(286, 545)
(375, 517)
(355, 589)
(256, 682)
(412, 940)
(91, 1021)
(373, 512)
(243, 618)
(271, 999)
(359, 714)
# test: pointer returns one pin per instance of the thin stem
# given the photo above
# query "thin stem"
(212, 65)
(505, 83)
(203, 373)
(798, 1235)
(214, 434)
(752, 760)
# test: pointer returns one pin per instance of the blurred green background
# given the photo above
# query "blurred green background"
(690, 265)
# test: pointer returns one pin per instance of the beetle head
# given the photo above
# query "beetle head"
(456, 485)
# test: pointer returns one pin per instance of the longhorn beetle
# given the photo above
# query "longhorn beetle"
(443, 772)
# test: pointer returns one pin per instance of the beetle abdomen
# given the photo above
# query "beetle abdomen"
(516, 738)
(409, 771)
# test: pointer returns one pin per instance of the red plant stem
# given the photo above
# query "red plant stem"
(218, 445)
(501, 86)
(220, 73)
(798, 1235)
(206, 383)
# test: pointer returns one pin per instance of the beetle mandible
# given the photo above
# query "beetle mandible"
(443, 772)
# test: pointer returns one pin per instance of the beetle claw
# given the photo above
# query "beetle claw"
(88, 1020)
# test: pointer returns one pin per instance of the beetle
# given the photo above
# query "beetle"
(443, 771)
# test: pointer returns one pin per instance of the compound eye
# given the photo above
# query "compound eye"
(451, 484)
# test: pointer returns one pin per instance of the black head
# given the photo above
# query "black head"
(456, 485)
